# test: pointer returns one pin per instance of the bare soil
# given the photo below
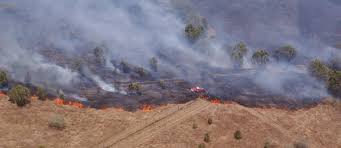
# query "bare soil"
(169, 126)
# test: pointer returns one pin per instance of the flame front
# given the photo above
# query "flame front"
(2, 94)
(146, 108)
(60, 101)
(215, 101)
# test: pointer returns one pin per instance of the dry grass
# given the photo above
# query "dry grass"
(317, 127)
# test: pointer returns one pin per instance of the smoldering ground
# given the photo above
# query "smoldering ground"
(135, 31)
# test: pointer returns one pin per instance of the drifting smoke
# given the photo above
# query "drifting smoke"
(137, 30)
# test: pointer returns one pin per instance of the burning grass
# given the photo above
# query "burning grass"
(59, 102)
(146, 108)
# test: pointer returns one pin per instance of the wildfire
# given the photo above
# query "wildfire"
(2, 94)
(146, 108)
(215, 101)
(60, 101)
(34, 98)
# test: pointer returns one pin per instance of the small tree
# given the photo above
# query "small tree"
(238, 135)
(286, 53)
(319, 70)
(207, 138)
(3, 79)
(260, 57)
(28, 78)
(99, 54)
(19, 95)
(41, 93)
(237, 54)
(334, 83)
(153, 64)
(193, 32)
(125, 67)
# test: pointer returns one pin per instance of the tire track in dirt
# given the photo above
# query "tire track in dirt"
(134, 136)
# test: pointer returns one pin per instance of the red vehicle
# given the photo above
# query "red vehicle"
(198, 90)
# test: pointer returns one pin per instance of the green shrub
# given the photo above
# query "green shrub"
(300, 145)
(41, 93)
(194, 32)
(209, 121)
(3, 79)
(260, 57)
(134, 87)
(195, 126)
(286, 53)
(57, 122)
(207, 138)
(201, 145)
(319, 70)
(237, 54)
(153, 64)
(19, 95)
(238, 135)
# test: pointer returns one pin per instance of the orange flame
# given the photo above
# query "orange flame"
(34, 98)
(2, 94)
(215, 101)
(146, 108)
(60, 101)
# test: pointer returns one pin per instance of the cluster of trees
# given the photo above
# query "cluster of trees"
(260, 57)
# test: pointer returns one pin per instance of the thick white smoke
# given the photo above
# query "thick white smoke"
(135, 31)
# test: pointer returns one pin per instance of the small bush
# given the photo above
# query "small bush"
(41, 93)
(57, 122)
(195, 126)
(286, 53)
(209, 121)
(3, 79)
(153, 64)
(207, 138)
(194, 32)
(19, 95)
(300, 145)
(125, 67)
(238, 135)
(162, 84)
(201, 145)
(141, 72)
(260, 57)
(134, 87)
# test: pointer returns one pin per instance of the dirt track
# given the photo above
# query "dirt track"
(143, 132)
